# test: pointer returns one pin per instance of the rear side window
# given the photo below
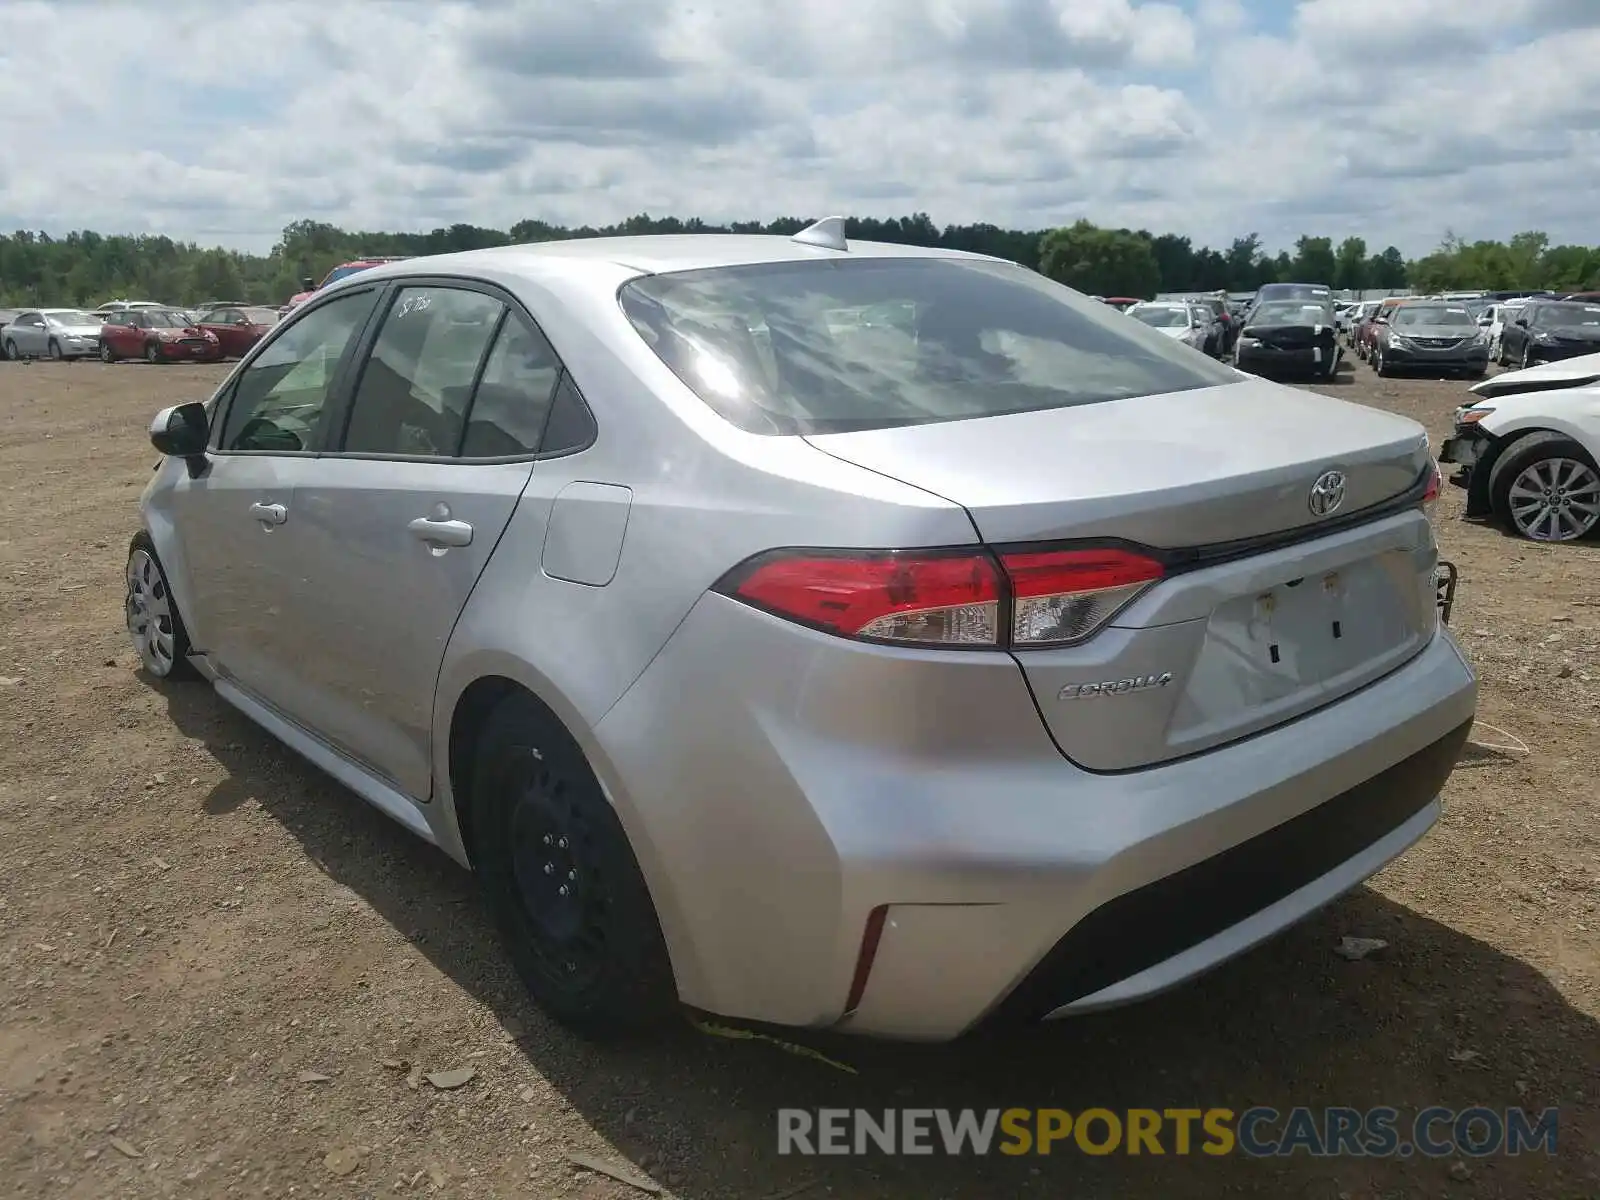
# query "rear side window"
(513, 397)
(835, 346)
(415, 387)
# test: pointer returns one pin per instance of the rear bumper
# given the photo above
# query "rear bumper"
(813, 782)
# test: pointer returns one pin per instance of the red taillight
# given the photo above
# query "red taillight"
(1065, 595)
(949, 598)
(1431, 493)
(931, 599)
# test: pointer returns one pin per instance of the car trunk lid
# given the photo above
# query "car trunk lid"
(1269, 610)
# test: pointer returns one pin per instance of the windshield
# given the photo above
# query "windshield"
(73, 317)
(1163, 318)
(339, 273)
(1429, 314)
(161, 318)
(1289, 312)
(784, 348)
(1551, 316)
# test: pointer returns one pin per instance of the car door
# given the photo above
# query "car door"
(122, 334)
(237, 522)
(400, 521)
(28, 335)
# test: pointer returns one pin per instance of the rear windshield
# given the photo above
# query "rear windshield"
(833, 347)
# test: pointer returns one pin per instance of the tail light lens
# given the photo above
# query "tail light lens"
(1063, 596)
(1431, 492)
(955, 599)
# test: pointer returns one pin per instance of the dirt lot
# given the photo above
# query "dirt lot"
(220, 967)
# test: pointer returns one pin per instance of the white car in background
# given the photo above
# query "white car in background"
(1497, 316)
(1194, 325)
(1527, 451)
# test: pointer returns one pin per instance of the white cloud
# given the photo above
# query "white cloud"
(1393, 119)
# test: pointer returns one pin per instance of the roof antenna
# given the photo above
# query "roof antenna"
(827, 233)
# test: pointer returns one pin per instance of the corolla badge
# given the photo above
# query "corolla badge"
(1114, 687)
(1327, 493)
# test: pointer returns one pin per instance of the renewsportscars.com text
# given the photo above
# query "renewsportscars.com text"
(1256, 1132)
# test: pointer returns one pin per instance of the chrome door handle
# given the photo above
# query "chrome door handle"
(441, 533)
(269, 514)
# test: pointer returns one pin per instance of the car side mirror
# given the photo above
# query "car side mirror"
(308, 284)
(1523, 321)
(181, 432)
(1380, 320)
(242, 321)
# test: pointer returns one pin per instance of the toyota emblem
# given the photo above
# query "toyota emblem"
(1327, 493)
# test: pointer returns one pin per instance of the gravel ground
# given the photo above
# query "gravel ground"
(224, 975)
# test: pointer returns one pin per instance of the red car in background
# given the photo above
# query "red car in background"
(308, 288)
(237, 327)
(156, 335)
(1120, 303)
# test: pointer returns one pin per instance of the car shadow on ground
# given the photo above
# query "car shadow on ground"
(1436, 1018)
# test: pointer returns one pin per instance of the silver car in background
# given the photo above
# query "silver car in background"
(824, 633)
(57, 333)
(1192, 324)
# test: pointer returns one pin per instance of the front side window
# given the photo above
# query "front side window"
(415, 386)
(788, 348)
(278, 402)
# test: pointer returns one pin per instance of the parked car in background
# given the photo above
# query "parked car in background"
(7, 315)
(1548, 331)
(1435, 336)
(237, 327)
(111, 306)
(59, 333)
(309, 287)
(1360, 314)
(1527, 451)
(1291, 337)
(1192, 324)
(157, 335)
(1227, 326)
(1009, 564)
(1319, 292)
(1583, 297)
(1368, 330)
(1123, 303)
(1492, 320)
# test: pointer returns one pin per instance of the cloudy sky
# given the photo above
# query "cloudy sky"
(221, 122)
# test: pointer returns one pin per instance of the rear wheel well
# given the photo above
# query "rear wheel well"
(472, 711)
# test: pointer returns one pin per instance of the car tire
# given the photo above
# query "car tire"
(560, 878)
(107, 354)
(1527, 356)
(11, 351)
(53, 351)
(154, 623)
(1533, 460)
(152, 353)
(1379, 363)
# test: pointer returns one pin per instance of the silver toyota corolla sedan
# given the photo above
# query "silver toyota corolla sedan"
(823, 633)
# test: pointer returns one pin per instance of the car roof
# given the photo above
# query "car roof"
(660, 253)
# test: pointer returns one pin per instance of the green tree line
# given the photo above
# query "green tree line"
(88, 268)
